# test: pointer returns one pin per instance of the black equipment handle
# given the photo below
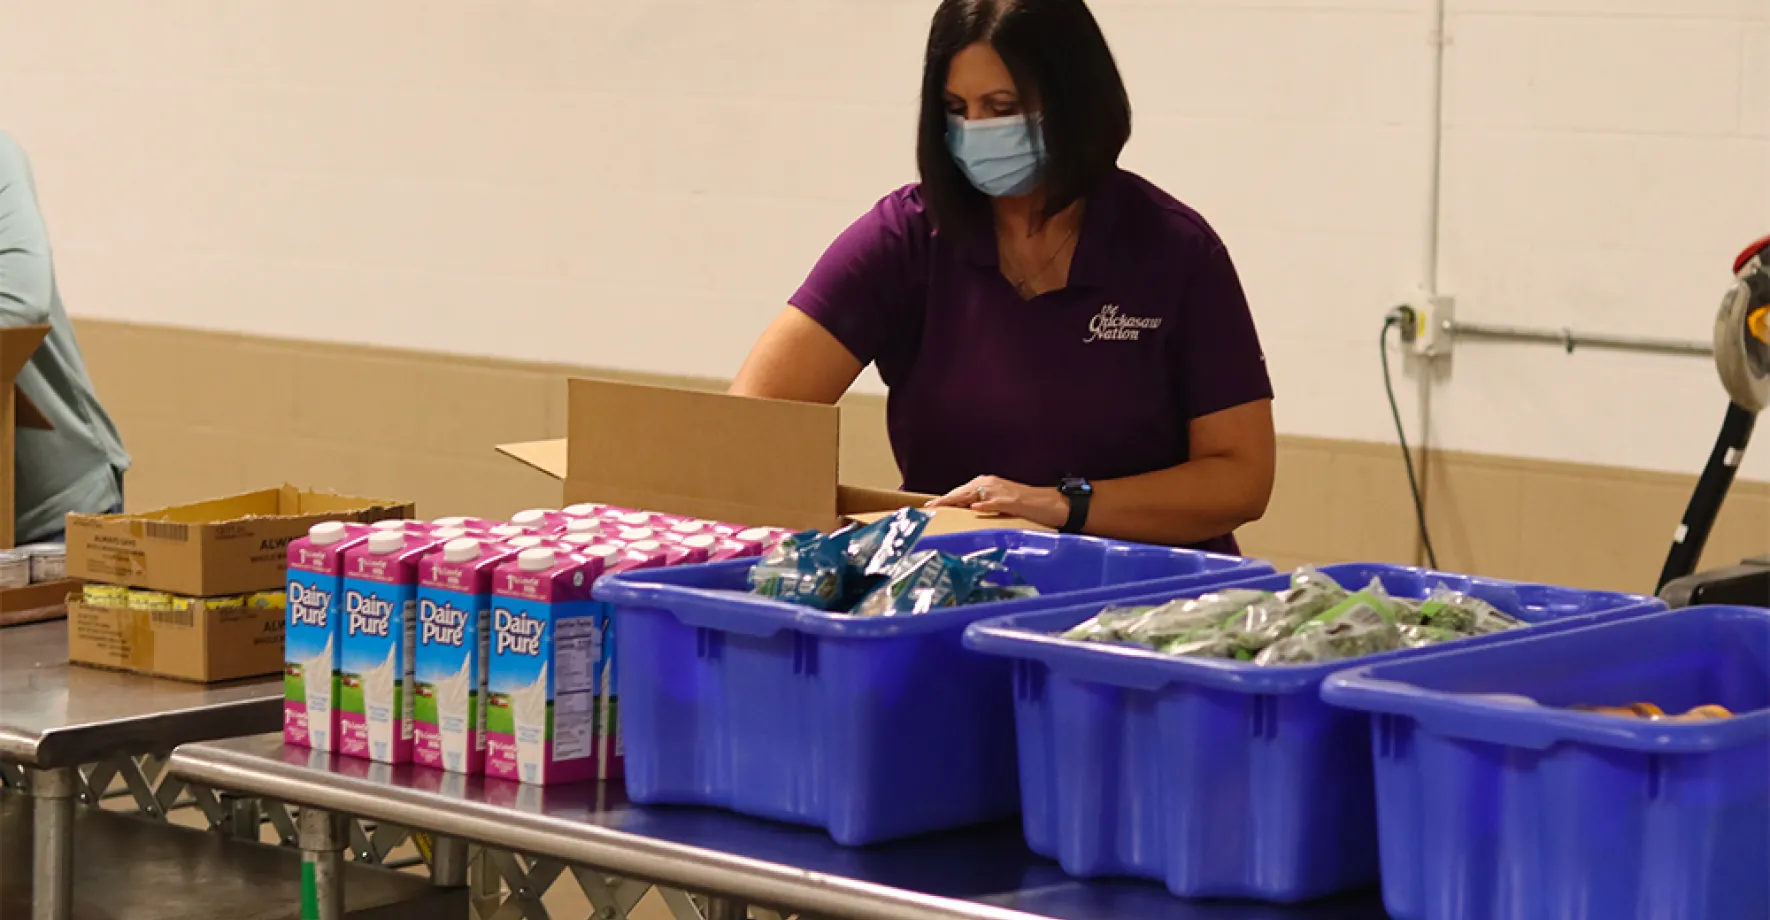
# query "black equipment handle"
(1711, 491)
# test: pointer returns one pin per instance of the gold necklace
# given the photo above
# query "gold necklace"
(1024, 284)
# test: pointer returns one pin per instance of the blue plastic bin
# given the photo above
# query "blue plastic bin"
(1219, 778)
(871, 728)
(1490, 809)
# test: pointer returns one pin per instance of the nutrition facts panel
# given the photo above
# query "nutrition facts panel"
(573, 725)
(577, 647)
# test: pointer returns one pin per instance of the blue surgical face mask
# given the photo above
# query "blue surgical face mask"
(1000, 156)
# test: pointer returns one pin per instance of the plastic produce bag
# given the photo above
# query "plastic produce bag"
(1465, 615)
(871, 551)
(1360, 626)
(1180, 623)
(1108, 625)
(926, 580)
(1420, 635)
(1277, 616)
(806, 569)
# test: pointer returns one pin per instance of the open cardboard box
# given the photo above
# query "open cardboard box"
(233, 545)
(198, 643)
(724, 458)
(41, 601)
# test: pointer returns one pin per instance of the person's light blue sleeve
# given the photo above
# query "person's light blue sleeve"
(25, 279)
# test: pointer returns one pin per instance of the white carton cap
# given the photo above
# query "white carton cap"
(530, 517)
(689, 526)
(539, 559)
(326, 533)
(636, 519)
(583, 509)
(393, 524)
(450, 522)
(448, 533)
(583, 525)
(581, 539)
(465, 549)
(635, 534)
(602, 550)
(385, 542)
(526, 541)
(507, 530)
(699, 541)
(755, 534)
(646, 546)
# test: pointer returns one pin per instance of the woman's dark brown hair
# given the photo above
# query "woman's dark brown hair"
(1057, 56)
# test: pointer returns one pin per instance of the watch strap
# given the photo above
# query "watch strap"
(1081, 495)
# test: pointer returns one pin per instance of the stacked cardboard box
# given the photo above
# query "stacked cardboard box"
(182, 592)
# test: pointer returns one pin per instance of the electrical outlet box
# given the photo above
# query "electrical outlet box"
(1433, 318)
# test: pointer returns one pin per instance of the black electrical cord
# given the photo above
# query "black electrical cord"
(1399, 318)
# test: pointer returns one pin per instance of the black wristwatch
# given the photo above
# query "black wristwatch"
(1080, 493)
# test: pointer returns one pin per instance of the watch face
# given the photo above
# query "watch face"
(1077, 487)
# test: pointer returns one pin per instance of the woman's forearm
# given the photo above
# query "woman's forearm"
(1189, 503)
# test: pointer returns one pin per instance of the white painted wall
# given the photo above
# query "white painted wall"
(642, 184)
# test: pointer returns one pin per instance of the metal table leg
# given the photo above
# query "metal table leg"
(52, 868)
(724, 909)
(321, 836)
(448, 862)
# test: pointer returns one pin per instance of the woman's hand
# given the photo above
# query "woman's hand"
(996, 495)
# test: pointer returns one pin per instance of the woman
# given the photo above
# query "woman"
(1063, 341)
(78, 465)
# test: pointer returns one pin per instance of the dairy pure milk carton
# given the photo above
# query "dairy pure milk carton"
(379, 630)
(611, 748)
(547, 652)
(469, 524)
(585, 525)
(310, 633)
(454, 631)
(540, 520)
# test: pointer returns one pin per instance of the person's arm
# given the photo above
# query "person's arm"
(798, 359)
(25, 286)
(1226, 484)
(857, 305)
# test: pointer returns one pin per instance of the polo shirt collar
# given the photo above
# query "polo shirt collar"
(1095, 244)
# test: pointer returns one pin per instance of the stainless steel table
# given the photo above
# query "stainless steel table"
(55, 717)
(981, 874)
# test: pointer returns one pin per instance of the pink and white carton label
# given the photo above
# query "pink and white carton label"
(548, 659)
(454, 640)
(377, 690)
(311, 635)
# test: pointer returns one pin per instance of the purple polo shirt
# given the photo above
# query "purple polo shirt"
(1098, 379)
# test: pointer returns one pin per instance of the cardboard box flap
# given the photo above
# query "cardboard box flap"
(758, 461)
(262, 503)
(232, 545)
(547, 456)
(958, 520)
(284, 501)
(17, 344)
(855, 501)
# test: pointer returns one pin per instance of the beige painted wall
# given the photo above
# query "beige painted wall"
(643, 184)
(209, 413)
